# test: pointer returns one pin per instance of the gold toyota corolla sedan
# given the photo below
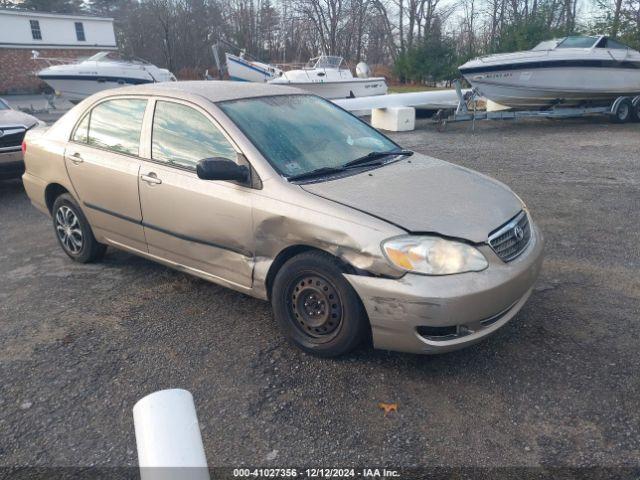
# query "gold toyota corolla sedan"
(286, 197)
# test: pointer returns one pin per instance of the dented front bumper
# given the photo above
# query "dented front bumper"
(436, 314)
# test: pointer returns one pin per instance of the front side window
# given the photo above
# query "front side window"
(3, 106)
(115, 125)
(183, 136)
(36, 34)
(80, 32)
(301, 133)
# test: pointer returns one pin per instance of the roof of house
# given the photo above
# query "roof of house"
(33, 13)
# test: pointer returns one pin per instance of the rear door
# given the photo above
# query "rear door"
(202, 224)
(103, 164)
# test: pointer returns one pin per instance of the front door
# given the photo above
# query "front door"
(103, 164)
(204, 225)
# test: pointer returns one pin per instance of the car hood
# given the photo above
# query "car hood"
(424, 195)
(12, 118)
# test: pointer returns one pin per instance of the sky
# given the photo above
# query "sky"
(586, 8)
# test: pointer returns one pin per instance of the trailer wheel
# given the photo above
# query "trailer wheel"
(636, 110)
(441, 125)
(623, 111)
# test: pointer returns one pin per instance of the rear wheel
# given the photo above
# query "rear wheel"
(316, 307)
(73, 231)
(624, 111)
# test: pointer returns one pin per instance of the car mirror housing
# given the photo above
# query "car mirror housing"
(218, 168)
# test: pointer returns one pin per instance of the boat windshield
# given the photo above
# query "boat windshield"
(325, 61)
(299, 134)
(100, 56)
(606, 42)
(578, 42)
(115, 57)
(546, 45)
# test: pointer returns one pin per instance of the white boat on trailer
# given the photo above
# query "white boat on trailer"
(76, 81)
(325, 76)
(573, 71)
(621, 109)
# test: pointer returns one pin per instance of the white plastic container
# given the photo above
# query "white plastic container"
(394, 119)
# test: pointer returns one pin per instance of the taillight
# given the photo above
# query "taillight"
(24, 147)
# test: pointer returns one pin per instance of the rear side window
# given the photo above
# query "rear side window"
(82, 130)
(113, 125)
(183, 136)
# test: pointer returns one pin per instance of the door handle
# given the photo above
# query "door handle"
(151, 178)
(76, 158)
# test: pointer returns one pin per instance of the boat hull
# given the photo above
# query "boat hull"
(77, 88)
(539, 87)
(243, 71)
(340, 89)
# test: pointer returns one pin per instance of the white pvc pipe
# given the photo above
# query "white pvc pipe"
(168, 437)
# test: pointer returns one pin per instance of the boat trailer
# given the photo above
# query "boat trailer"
(623, 109)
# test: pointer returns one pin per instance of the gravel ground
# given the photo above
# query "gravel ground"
(558, 386)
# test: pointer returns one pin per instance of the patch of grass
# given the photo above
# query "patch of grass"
(410, 88)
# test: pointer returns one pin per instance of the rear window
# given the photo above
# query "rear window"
(113, 125)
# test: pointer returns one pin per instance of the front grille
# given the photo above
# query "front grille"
(512, 238)
(11, 136)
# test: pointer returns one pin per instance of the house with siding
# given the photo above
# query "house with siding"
(53, 36)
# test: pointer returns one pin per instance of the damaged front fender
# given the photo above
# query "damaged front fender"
(308, 221)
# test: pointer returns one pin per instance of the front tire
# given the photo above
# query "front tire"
(74, 232)
(316, 307)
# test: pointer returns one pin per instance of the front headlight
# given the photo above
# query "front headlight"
(433, 255)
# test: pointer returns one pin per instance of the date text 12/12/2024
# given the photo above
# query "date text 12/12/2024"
(315, 473)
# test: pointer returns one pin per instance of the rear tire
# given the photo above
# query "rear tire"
(624, 112)
(317, 309)
(73, 231)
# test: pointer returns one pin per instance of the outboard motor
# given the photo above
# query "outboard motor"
(363, 70)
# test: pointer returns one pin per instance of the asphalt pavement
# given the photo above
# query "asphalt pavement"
(558, 386)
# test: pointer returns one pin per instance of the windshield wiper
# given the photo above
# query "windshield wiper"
(367, 159)
(371, 157)
(318, 172)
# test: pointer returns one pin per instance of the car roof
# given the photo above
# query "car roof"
(213, 90)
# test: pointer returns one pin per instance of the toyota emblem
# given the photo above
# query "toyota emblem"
(518, 232)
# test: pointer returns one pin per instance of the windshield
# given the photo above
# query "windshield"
(325, 61)
(3, 106)
(546, 45)
(578, 42)
(301, 133)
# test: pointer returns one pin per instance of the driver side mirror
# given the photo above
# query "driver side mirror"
(219, 168)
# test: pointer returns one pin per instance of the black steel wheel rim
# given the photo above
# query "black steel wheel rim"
(315, 307)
